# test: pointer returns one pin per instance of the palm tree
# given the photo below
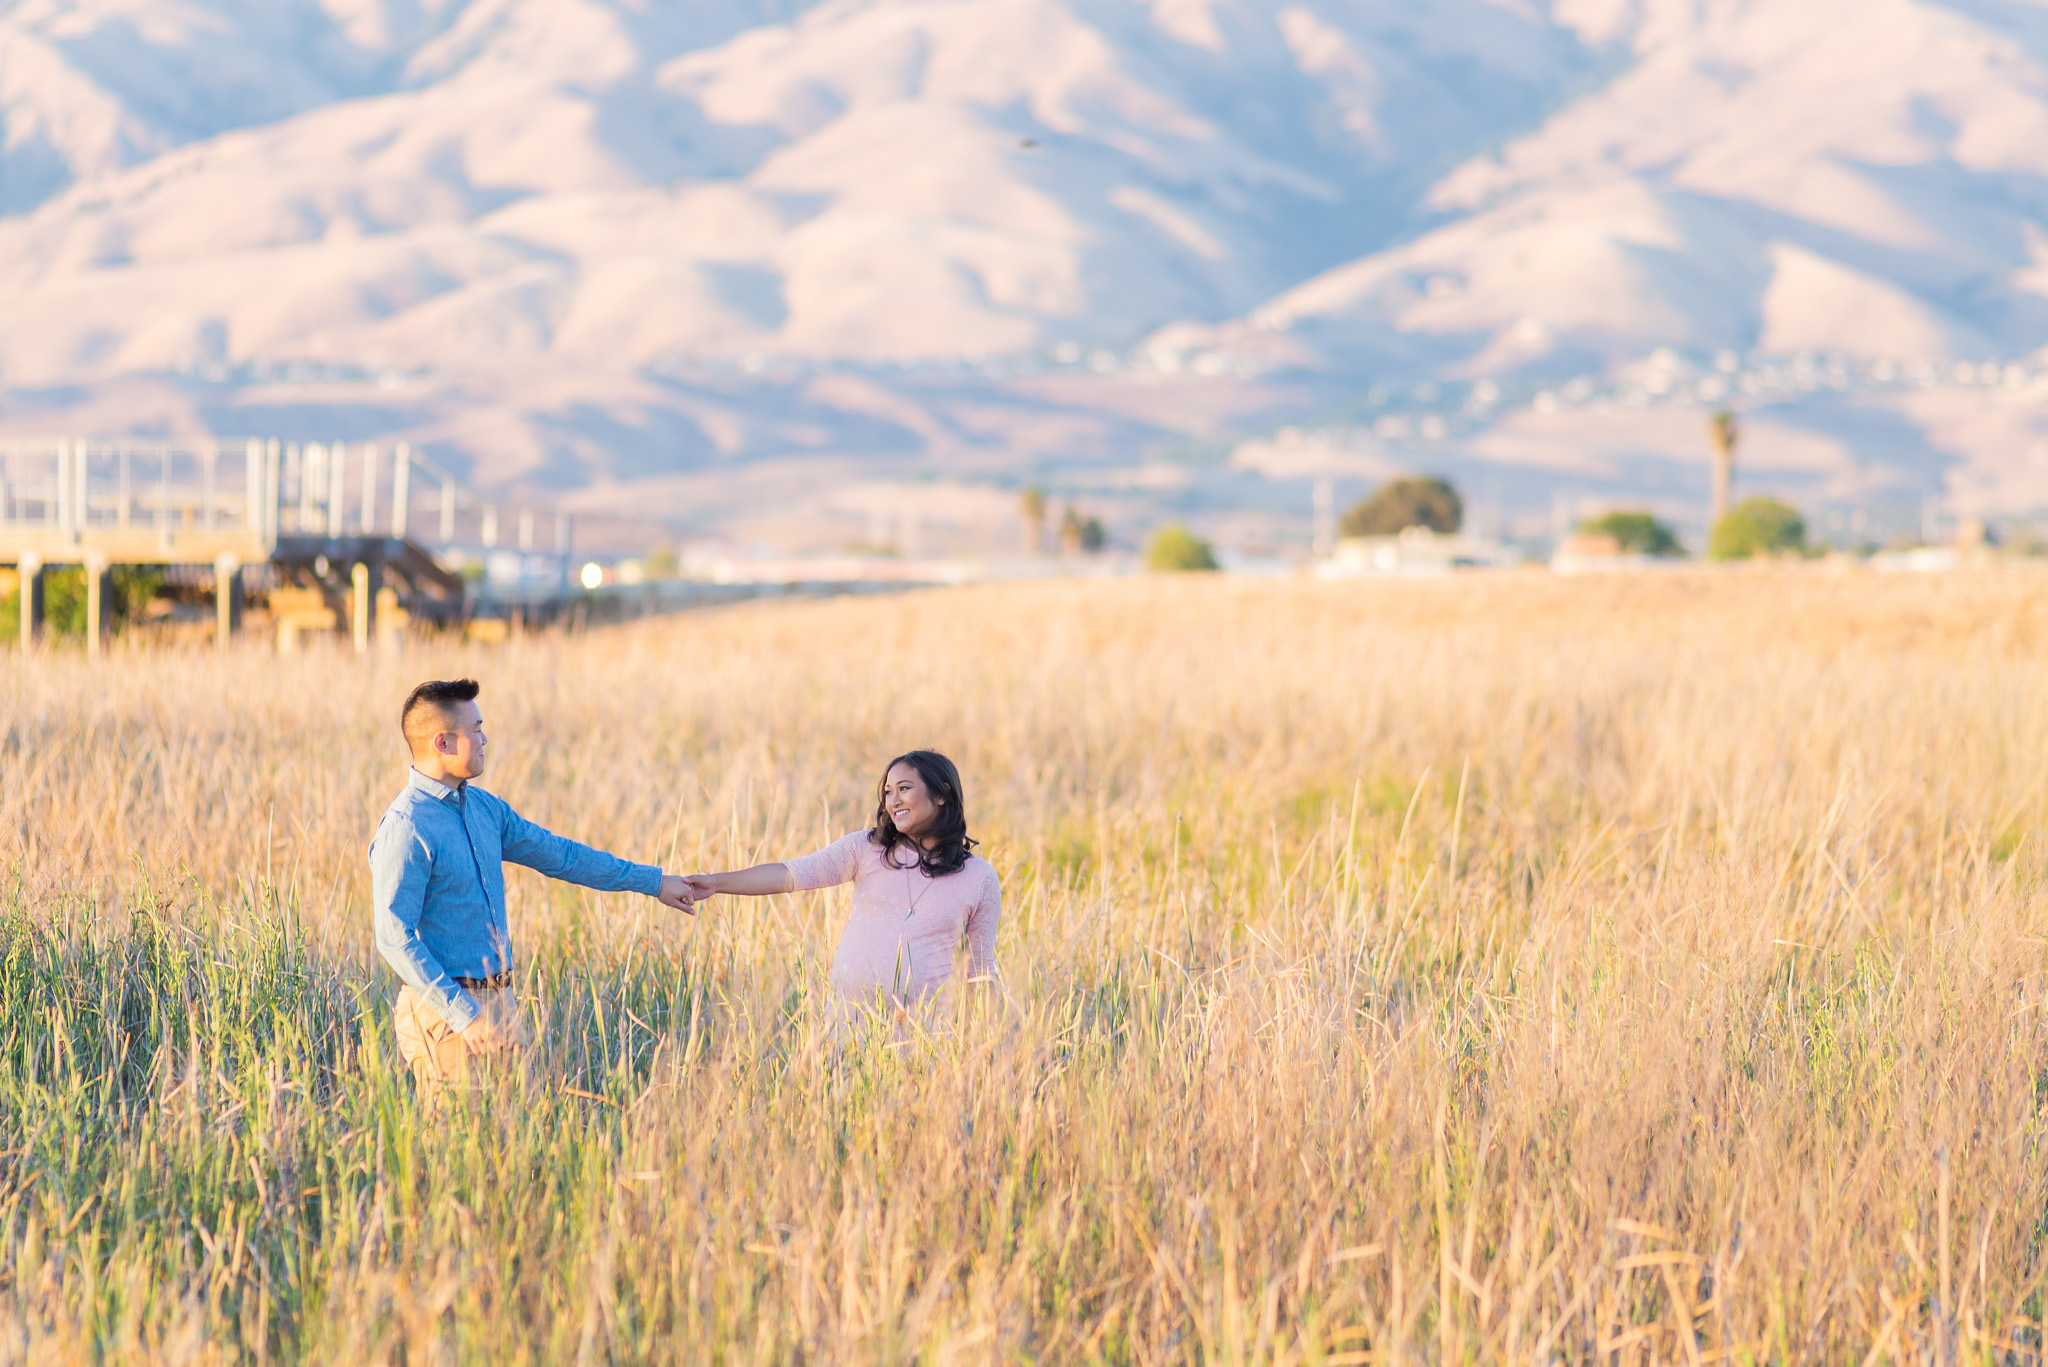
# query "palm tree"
(1726, 432)
(1031, 507)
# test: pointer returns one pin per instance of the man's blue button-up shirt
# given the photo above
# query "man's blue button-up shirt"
(437, 883)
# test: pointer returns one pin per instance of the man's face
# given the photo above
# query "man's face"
(461, 745)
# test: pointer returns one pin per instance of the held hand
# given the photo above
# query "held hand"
(482, 1036)
(702, 885)
(676, 892)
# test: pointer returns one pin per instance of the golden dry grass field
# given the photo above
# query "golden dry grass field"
(1504, 969)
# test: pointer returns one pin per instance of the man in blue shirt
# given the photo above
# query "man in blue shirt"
(437, 886)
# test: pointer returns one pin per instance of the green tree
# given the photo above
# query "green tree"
(1080, 534)
(1757, 526)
(1637, 533)
(1176, 548)
(64, 600)
(1417, 501)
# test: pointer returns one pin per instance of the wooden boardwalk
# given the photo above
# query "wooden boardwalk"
(339, 526)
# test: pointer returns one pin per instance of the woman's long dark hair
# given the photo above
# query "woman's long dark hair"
(950, 843)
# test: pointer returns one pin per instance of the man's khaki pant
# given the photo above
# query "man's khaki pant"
(436, 1054)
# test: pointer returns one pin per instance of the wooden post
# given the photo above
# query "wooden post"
(359, 576)
(401, 489)
(96, 586)
(227, 598)
(31, 601)
(390, 621)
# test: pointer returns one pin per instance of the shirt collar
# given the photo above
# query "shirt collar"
(432, 787)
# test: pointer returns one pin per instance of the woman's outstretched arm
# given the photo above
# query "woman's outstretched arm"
(762, 880)
(835, 864)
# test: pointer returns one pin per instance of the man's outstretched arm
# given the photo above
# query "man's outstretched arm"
(572, 861)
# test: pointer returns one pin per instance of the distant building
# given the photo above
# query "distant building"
(1918, 560)
(1594, 554)
(1417, 551)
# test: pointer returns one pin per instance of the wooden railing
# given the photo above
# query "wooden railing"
(151, 496)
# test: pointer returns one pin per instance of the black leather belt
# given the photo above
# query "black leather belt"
(491, 984)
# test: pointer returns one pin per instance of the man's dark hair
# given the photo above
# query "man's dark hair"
(427, 706)
(950, 842)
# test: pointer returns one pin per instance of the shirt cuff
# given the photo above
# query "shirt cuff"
(647, 879)
(459, 1010)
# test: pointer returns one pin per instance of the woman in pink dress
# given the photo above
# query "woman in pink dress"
(919, 891)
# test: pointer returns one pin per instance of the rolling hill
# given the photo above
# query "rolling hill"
(754, 265)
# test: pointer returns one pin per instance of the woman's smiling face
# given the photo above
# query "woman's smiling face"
(909, 803)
